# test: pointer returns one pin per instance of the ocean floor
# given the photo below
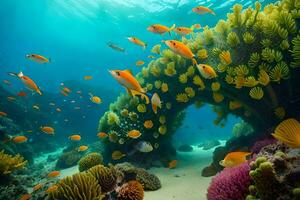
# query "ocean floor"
(184, 182)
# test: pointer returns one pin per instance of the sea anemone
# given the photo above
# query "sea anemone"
(263, 77)
(248, 38)
(256, 93)
(202, 54)
(190, 92)
(268, 55)
(133, 190)
(183, 78)
(164, 87)
(182, 98)
(233, 39)
(229, 79)
(198, 81)
(112, 118)
(218, 97)
(141, 108)
(162, 129)
(170, 70)
(239, 81)
(225, 57)
(215, 86)
(148, 124)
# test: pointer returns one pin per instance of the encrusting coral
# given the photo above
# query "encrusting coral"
(90, 160)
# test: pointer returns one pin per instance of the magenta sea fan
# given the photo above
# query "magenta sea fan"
(230, 184)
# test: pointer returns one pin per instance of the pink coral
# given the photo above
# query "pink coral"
(262, 143)
(230, 184)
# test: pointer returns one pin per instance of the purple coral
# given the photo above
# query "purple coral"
(230, 184)
(262, 143)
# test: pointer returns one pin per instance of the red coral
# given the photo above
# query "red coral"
(133, 190)
(230, 184)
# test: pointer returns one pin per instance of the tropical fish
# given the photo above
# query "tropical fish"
(20, 139)
(202, 10)
(30, 84)
(47, 129)
(38, 58)
(53, 174)
(38, 186)
(83, 148)
(172, 164)
(160, 29)
(151, 56)
(7, 82)
(117, 155)
(65, 91)
(36, 107)
(11, 98)
(102, 135)
(115, 47)
(181, 49)
(126, 79)
(234, 158)
(144, 146)
(22, 94)
(197, 26)
(139, 63)
(207, 71)
(155, 102)
(134, 134)
(52, 104)
(3, 114)
(58, 109)
(52, 188)
(137, 42)
(184, 30)
(288, 132)
(26, 197)
(75, 137)
(95, 99)
(87, 77)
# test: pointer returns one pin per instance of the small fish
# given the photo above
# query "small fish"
(115, 47)
(202, 10)
(87, 77)
(181, 49)
(26, 197)
(52, 104)
(102, 135)
(11, 98)
(52, 188)
(38, 58)
(75, 137)
(78, 92)
(22, 94)
(117, 155)
(83, 148)
(234, 159)
(95, 99)
(183, 30)
(172, 164)
(7, 82)
(156, 102)
(36, 107)
(20, 139)
(58, 110)
(133, 87)
(139, 63)
(144, 147)
(151, 56)
(53, 174)
(137, 42)
(134, 134)
(48, 130)
(30, 84)
(197, 26)
(207, 71)
(160, 29)
(77, 108)
(38, 186)
(3, 114)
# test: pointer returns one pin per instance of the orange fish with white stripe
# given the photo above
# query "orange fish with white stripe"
(160, 29)
(181, 49)
(133, 87)
(38, 58)
(137, 42)
(30, 84)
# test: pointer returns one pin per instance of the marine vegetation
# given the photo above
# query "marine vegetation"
(254, 54)
(9, 163)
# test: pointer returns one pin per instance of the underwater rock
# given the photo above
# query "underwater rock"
(209, 144)
(68, 159)
(185, 148)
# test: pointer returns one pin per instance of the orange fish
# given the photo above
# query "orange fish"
(234, 158)
(137, 42)
(52, 188)
(126, 79)
(181, 49)
(75, 137)
(53, 174)
(102, 135)
(26, 197)
(155, 102)
(183, 30)
(3, 114)
(7, 82)
(139, 63)
(87, 77)
(202, 10)
(22, 94)
(197, 26)
(38, 187)
(172, 164)
(95, 99)
(30, 84)
(83, 148)
(160, 29)
(134, 134)
(38, 58)
(207, 71)
(47, 129)
(19, 139)
(117, 155)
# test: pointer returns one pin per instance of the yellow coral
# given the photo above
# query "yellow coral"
(148, 124)
(183, 78)
(190, 71)
(215, 86)
(154, 70)
(280, 71)
(225, 57)
(233, 105)
(254, 60)
(250, 81)
(168, 105)
(149, 86)
(263, 77)
(182, 98)
(229, 79)
(164, 87)
(202, 54)
(221, 68)
(142, 108)
(112, 118)
(162, 129)
(198, 81)
(9, 163)
(156, 49)
(162, 119)
(256, 93)
(241, 70)
(124, 112)
(170, 70)
(218, 97)
(239, 81)
(279, 112)
(190, 92)
(157, 84)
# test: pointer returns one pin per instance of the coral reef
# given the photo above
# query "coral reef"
(89, 161)
(242, 128)
(258, 145)
(132, 190)
(230, 184)
(68, 159)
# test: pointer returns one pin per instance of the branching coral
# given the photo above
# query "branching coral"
(89, 161)
(133, 190)
(9, 163)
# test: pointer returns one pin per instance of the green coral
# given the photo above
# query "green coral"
(248, 38)
(233, 39)
(89, 161)
(254, 60)
(296, 52)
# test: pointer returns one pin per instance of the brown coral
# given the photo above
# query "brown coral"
(132, 190)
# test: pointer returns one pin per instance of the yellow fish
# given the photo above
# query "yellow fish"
(137, 42)
(95, 99)
(160, 29)
(207, 71)
(83, 148)
(38, 58)
(184, 30)
(288, 132)
(87, 77)
(234, 159)
(202, 10)
(117, 155)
